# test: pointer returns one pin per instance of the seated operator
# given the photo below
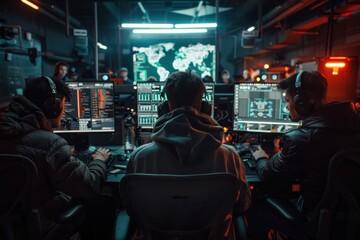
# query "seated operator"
(306, 151)
(186, 140)
(26, 129)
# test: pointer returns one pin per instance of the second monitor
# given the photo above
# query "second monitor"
(260, 107)
(149, 97)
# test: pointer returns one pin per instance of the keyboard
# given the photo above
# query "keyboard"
(249, 160)
(86, 158)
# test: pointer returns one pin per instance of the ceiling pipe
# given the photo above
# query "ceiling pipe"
(290, 7)
(143, 10)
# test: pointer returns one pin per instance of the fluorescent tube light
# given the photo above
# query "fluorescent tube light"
(30, 4)
(147, 25)
(196, 25)
(102, 46)
(250, 29)
(169, 31)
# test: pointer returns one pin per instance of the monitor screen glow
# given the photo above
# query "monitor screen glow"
(260, 107)
(91, 108)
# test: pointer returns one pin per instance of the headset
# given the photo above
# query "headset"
(303, 102)
(163, 107)
(52, 105)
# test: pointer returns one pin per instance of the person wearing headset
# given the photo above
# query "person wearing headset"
(26, 129)
(305, 152)
(186, 140)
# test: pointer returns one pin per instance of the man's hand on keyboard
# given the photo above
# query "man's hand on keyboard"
(259, 153)
(102, 154)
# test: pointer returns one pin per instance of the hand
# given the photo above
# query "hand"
(259, 153)
(102, 154)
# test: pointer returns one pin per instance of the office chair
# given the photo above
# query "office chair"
(178, 206)
(19, 219)
(337, 215)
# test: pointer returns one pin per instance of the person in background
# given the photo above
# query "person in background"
(225, 77)
(26, 128)
(186, 140)
(305, 152)
(208, 78)
(61, 70)
(123, 73)
(73, 75)
(247, 73)
(151, 79)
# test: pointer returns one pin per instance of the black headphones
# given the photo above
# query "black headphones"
(163, 107)
(303, 103)
(52, 106)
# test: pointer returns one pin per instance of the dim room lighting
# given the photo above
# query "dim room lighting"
(169, 31)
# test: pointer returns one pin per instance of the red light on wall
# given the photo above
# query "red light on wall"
(335, 66)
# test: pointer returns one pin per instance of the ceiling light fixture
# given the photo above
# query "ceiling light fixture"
(147, 25)
(169, 31)
(102, 46)
(30, 4)
(196, 25)
(250, 29)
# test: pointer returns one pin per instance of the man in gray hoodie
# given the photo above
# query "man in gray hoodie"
(187, 141)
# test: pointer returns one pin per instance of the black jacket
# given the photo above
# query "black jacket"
(306, 151)
(24, 130)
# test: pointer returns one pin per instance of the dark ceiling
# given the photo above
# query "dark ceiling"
(242, 13)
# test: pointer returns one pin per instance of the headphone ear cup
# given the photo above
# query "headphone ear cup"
(52, 107)
(206, 108)
(163, 108)
(303, 104)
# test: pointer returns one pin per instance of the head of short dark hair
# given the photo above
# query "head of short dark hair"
(37, 90)
(59, 64)
(207, 78)
(225, 72)
(184, 89)
(151, 79)
(312, 82)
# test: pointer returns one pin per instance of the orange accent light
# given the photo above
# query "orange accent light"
(266, 66)
(335, 64)
(30, 4)
(251, 187)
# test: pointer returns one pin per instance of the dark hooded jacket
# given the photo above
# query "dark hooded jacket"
(24, 130)
(186, 141)
(307, 150)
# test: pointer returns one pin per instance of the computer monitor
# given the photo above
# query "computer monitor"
(91, 108)
(149, 97)
(260, 107)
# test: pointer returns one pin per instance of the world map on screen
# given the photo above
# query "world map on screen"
(160, 60)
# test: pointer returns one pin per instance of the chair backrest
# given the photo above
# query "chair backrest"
(342, 195)
(179, 205)
(16, 175)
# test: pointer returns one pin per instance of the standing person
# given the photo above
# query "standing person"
(73, 75)
(26, 129)
(306, 151)
(186, 140)
(124, 75)
(247, 73)
(61, 70)
(225, 77)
